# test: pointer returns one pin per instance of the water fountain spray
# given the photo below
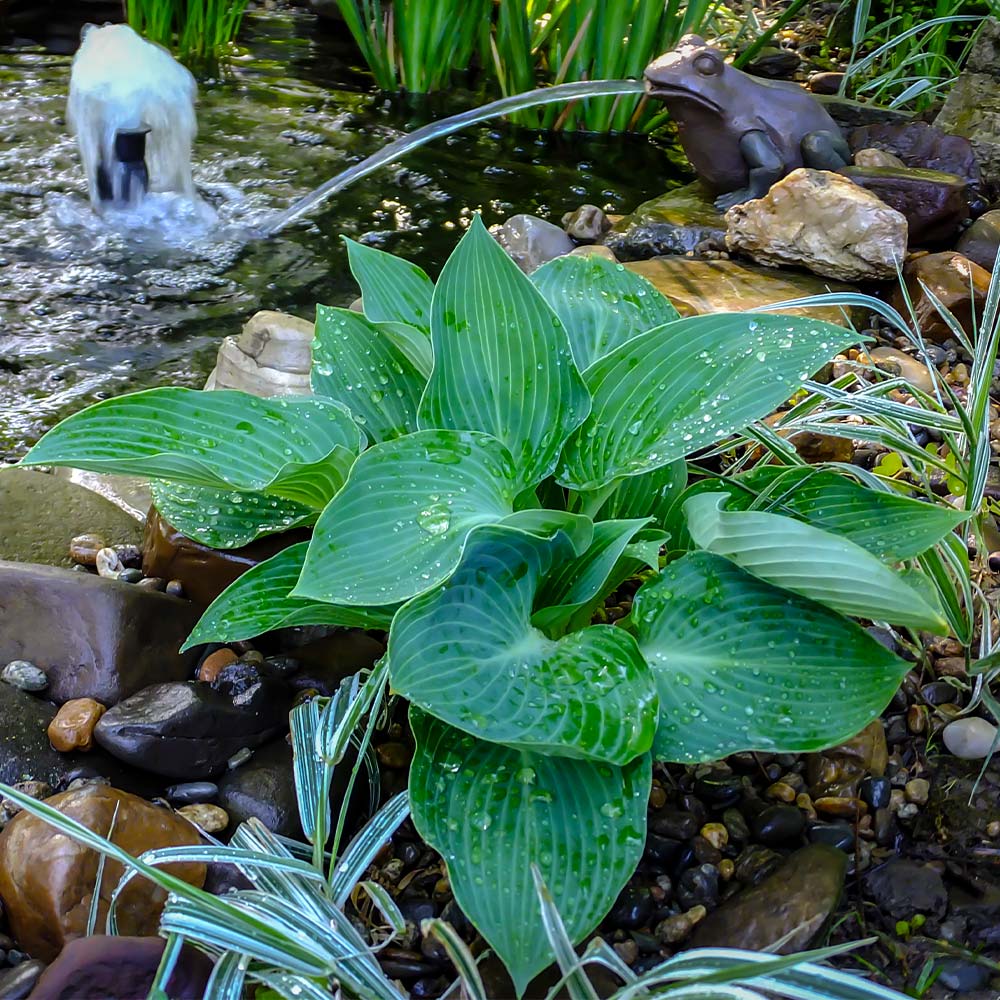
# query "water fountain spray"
(131, 107)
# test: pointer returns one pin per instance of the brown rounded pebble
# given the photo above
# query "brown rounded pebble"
(175, 588)
(214, 663)
(657, 796)
(678, 927)
(951, 666)
(779, 790)
(916, 719)
(72, 728)
(211, 819)
(84, 548)
(628, 950)
(993, 829)
(836, 805)
(716, 834)
(917, 791)
(726, 868)
(805, 803)
(395, 756)
(153, 583)
(36, 789)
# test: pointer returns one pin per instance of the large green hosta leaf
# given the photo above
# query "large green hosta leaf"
(293, 447)
(468, 653)
(224, 519)
(818, 565)
(260, 601)
(393, 290)
(357, 365)
(743, 665)
(492, 812)
(889, 526)
(399, 525)
(601, 304)
(684, 386)
(502, 360)
(650, 494)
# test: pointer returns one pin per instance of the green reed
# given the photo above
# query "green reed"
(199, 32)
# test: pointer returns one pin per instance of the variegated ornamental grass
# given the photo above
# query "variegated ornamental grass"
(487, 458)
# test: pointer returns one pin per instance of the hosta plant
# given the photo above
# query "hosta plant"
(485, 460)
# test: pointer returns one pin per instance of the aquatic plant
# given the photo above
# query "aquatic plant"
(486, 462)
(198, 32)
(290, 935)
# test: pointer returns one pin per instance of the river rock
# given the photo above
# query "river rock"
(204, 573)
(971, 738)
(678, 222)
(903, 888)
(896, 362)
(823, 222)
(531, 241)
(587, 224)
(264, 788)
(917, 144)
(25, 751)
(47, 880)
(130, 493)
(796, 900)
(981, 241)
(271, 357)
(956, 281)
(327, 661)
(874, 157)
(93, 637)
(190, 730)
(103, 967)
(934, 203)
(40, 514)
(73, 726)
(707, 286)
(17, 982)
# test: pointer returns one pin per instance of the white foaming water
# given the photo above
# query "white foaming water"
(120, 81)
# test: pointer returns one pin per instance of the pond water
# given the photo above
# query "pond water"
(88, 311)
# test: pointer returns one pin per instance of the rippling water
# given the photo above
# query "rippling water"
(92, 307)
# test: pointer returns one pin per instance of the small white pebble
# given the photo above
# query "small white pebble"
(970, 738)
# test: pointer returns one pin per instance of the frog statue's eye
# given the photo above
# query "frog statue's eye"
(707, 63)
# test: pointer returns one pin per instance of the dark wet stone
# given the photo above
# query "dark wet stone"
(705, 853)
(921, 145)
(93, 637)
(18, 982)
(632, 909)
(797, 900)
(779, 826)
(452, 914)
(327, 661)
(188, 730)
(675, 824)
(237, 680)
(934, 203)
(962, 976)
(191, 792)
(428, 986)
(698, 886)
(120, 968)
(719, 792)
(838, 835)
(281, 666)
(885, 827)
(902, 888)
(201, 572)
(265, 788)
(981, 241)
(399, 964)
(938, 693)
(876, 792)
(755, 863)
(130, 575)
(736, 825)
(25, 751)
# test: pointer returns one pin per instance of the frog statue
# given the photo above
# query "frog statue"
(741, 133)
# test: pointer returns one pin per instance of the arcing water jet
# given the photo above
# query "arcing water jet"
(131, 107)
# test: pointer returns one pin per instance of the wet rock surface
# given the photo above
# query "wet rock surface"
(981, 241)
(531, 241)
(958, 283)
(823, 222)
(120, 968)
(264, 788)
(191, 730)
(47, 881)
(93, 637)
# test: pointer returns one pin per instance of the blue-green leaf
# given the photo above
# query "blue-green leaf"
(393, 290)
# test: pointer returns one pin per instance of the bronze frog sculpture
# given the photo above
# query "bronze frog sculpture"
(741, 133)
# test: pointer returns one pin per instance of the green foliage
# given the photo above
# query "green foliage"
(199, 32)
(503, 496)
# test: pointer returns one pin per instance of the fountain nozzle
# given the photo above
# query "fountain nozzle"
(126, 180)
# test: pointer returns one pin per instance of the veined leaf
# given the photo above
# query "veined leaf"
(399, 525)
(650, 494)
(743, 665)
(574, 582)
(544, 523)
(393, 290)
(414, 344)
(357, 365)
(601, 304)
(226, 440)
(225, 519)
(492, 812)
(502, 360)
(260, 601)
(684, 386)
(468, 653)
(823, 567)
(888, 525)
